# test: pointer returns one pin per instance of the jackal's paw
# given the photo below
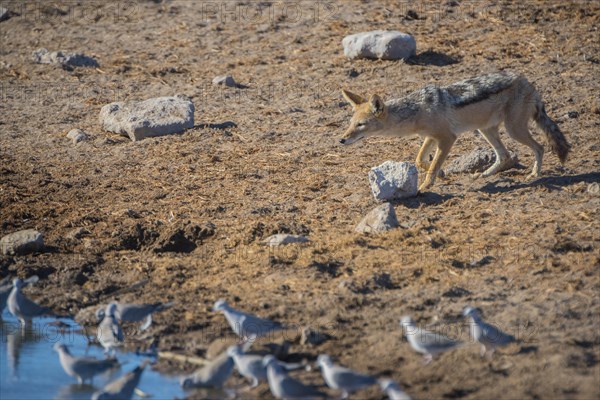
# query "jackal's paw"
(423, 188)
(533, 175)
(476, 175)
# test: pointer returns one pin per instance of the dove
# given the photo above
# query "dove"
(341, 378)
(489, 336)
(393, 390)
(122, 388)
(425, 342)
(82, 368)
(284, 387)
(251, 367)
(109, 333)
(246, 325)
(135, 312)
(211, 375)
(23, 308)
(6, 287)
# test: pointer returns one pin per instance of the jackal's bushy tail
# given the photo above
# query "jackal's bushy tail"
(558, 142)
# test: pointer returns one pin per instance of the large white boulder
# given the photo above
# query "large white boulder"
(22, 242)
(394, 180)
(385, 45)
(153, 117)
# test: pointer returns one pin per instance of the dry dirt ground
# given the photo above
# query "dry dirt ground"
(186, 215)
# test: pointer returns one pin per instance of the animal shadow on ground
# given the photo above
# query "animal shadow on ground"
(427, 198)
(551, 182)
(434, 58)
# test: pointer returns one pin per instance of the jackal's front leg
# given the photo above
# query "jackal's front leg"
(444, 145)
(422, 160)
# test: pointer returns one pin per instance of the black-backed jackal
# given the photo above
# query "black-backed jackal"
(439, 114)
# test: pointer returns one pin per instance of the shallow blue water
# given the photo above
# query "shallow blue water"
(30, 369)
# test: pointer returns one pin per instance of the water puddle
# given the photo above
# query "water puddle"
(30, 368)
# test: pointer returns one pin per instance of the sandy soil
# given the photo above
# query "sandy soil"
(525, 252)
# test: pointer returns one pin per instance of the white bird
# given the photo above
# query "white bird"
(284, 387)
(126, 312)
(83, 368)
(251, 367)
(341, 378)
(489, 336)
(425, 342)
(109, 333)
(211, 375)
(393, 390)
(122, 388)
(23, 308)
(6, 287)
(246, 325)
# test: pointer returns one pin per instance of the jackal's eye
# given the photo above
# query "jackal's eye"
(361, 124)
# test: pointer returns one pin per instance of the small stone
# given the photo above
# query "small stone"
(43, 56)
(379, 219)
(77, 135)
(384, 45)
(455, 292)
(77, 233)
(4, 14)
(153, 117)
(411, 15)
(353, 73)
(594, 188)
(284, 238)
(313, 337)
(226, 80)
(478, 161)
(394, 180)
(22, 242)
(573, 114)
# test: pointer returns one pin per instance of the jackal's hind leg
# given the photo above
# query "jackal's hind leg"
(520, 132)
(492, 136)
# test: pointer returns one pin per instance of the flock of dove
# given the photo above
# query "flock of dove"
(255, 368)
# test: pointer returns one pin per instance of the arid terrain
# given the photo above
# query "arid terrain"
(185, 216)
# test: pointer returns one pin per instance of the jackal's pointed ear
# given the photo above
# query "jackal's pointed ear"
(377, 105)
(353, 98)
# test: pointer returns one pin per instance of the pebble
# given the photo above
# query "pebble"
(77, 135)
(226, 80)
(43, 56)
(284, 238)
(379, 219)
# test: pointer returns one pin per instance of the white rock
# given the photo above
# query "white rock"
(153, 117)
(43, 56)
(594, 188)
(284, 238)
(77, 135)
(22, 242)
(379, 219)
(478, 160)
(385, 45)
(226, 80)
(394, 180)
